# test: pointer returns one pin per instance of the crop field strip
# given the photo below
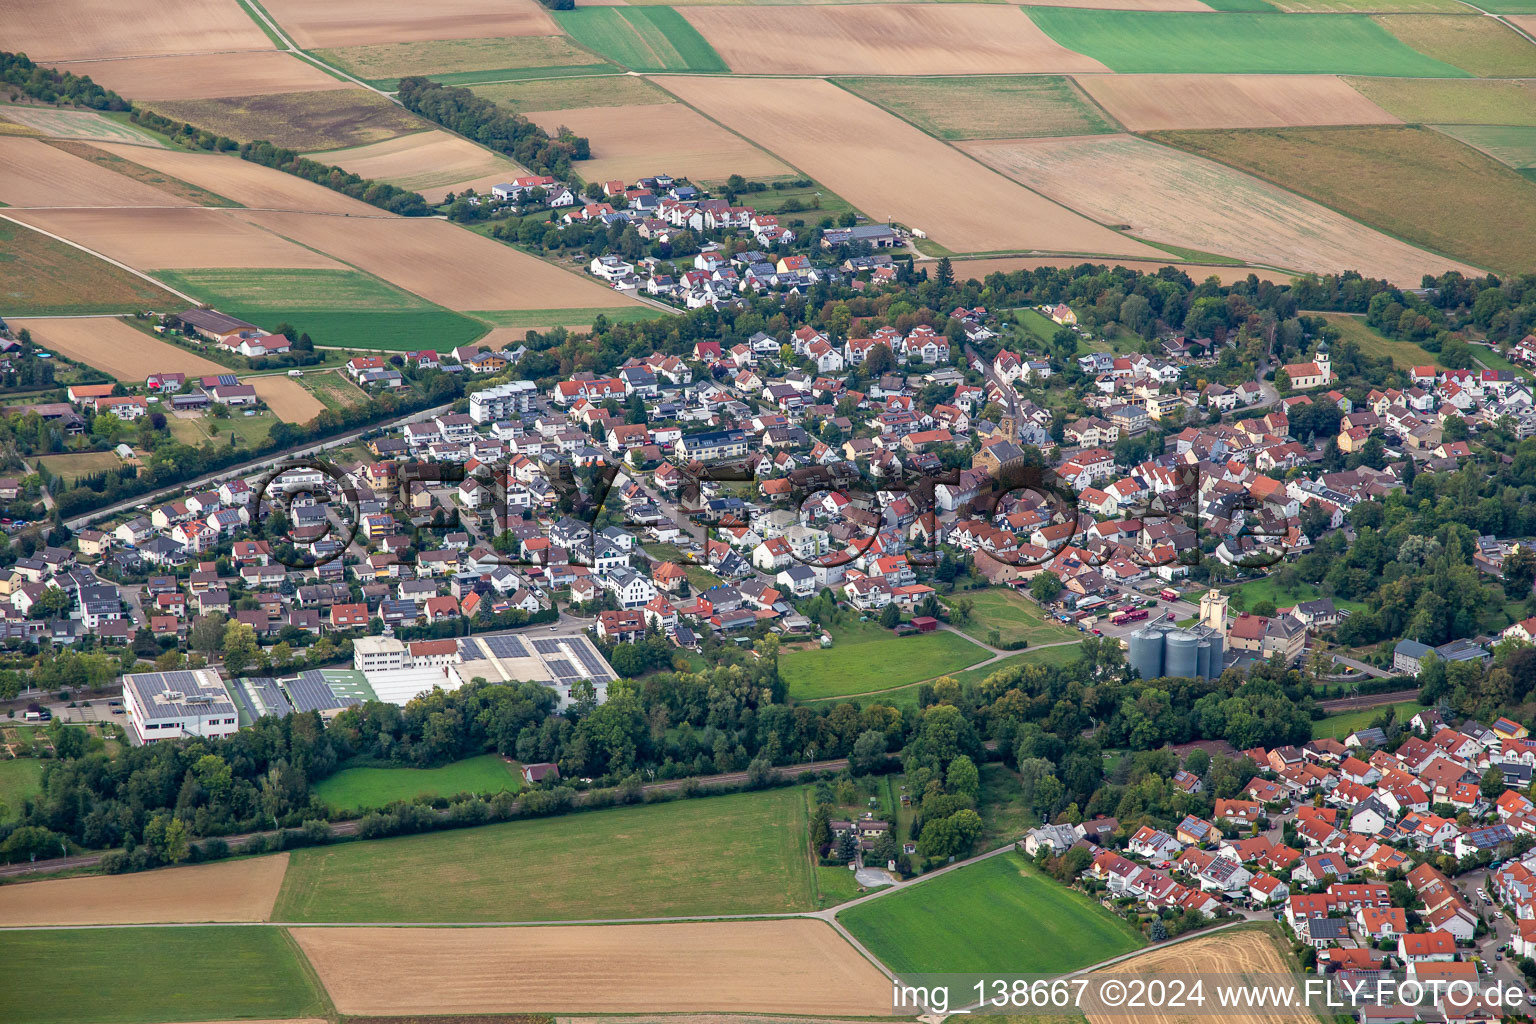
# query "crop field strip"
(1483, 47)
(248, 184)
(574, 93)
(1244, 950)
(1439, 101)
(460, 61)
(82, 125)
(988, 107)
(206, 76)
(432, 162)
(1513, 146)
(343, 23)
(641, 38)
(630, 142)
(45, 277)
(117, 348)
(305, 121)
(1154, 102)
(242, 890)
(48, 31)
(39, 175)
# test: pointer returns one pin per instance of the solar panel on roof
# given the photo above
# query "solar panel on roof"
(310, 692)
(547, 646)
(505, 646)
(271, 696)
(561, 669)
(590, 660)
(228, 380)
(469, 650)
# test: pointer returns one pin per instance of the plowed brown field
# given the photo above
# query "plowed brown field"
(231, 891)
(433, 163)
(249, 184)
(887, 168)
(443, 263)
(33, 173)
(205, 76)
(883, 39)
(113, 346)
(358, 22)
(1153, 102)
(180, 239)
(49, 31)
(286, 397)
(786, 966)
(629, 142)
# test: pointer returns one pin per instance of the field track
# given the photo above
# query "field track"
(206, 76)
(33, 173)
(187, 239)
(49, 31)
(249, 184)
(113, 346)
(1153, 102)
(629, 142)
(228, 891)
(887, 168)
(360, 22)
(785, 966)
(883, 39)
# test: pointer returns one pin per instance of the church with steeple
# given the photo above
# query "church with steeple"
(1316, 374)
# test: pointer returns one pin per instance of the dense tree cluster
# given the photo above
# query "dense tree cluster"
(477, 118)
(52, 86)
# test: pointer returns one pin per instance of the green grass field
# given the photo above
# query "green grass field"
(336, 308)
(1508, 6)
(641, 38)
(872, 658)
(153, 975)
(1014, 617)
(574, 92)
(72, 466)
(1001, 107)
(20, 777)
(1239, 43)
(1341, 725)
(1510, 145)
(1451, 101)
(353, 790)
(1404, 354)
(1005, 817)
(999, 915)
(1268, 588)
(738, 854)
(1412, 182)
(1482, 46)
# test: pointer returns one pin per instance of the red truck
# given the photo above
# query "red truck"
(1168, 594)
(1121, 618)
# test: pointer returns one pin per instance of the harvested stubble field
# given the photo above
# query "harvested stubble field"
(305, 121)
(740, 854)
(131, 167)
(1410, 182)
(84, 125)
(286, 397)
(1432, 101)
(154, 975)
(1155, 102)
(35, 174)
(150, 239)
(574, 93)
(1167, 196)
(433, 163)
(441, 262)
(1473, 43)
(1371, 6)
(118, 349)
(641, 38)
(1126, 5)
(1239, 951)
(886, 167)
(448, 60)
(1512, 146)
(228, 891)
(363, 22)
(45, 277)
(980, 268)
(884, 39)
(981, 107)
(201, 76)
(629, 142)
(49, 31)
(243, 182)
(788, 966)
(1136, 42)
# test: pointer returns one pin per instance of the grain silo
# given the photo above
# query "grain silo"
(1146, 655)
(1203, 658)
(1180, 654)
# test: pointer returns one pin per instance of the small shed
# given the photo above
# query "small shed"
(925, 623)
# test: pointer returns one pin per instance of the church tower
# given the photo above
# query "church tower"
(1323, 363)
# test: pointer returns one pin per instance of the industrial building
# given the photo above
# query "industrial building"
(1162, 649)
(327, 691)
(398, 671)
(170, 705)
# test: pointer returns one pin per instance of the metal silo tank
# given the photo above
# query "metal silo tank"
(1146, 654)
(1218, 655)
(1203, 658)
(1180, 657)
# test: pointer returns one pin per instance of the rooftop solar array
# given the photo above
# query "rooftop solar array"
(561, 669)
(469, 650)
(591, 660)
(269, 696)
(544, 645)
(506, 645)
(196, 696)
(310, 692)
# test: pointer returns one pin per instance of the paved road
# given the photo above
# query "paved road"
(1360, 666)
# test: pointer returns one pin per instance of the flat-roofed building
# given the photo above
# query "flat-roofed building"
(168, 705)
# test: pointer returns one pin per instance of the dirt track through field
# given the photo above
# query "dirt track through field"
(887, 168)
(252, 185)
(112, 345)
(230, 891)
(358, 22)
(33, 173)
(786, 966)
(1164, 194)
(1232, 952)
(443, 263)
(630, 142)
(288, 399)
(883, 39)
(433, 163)
(52, 30)
(1154, 102)
(206, 76)
(179, 239)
